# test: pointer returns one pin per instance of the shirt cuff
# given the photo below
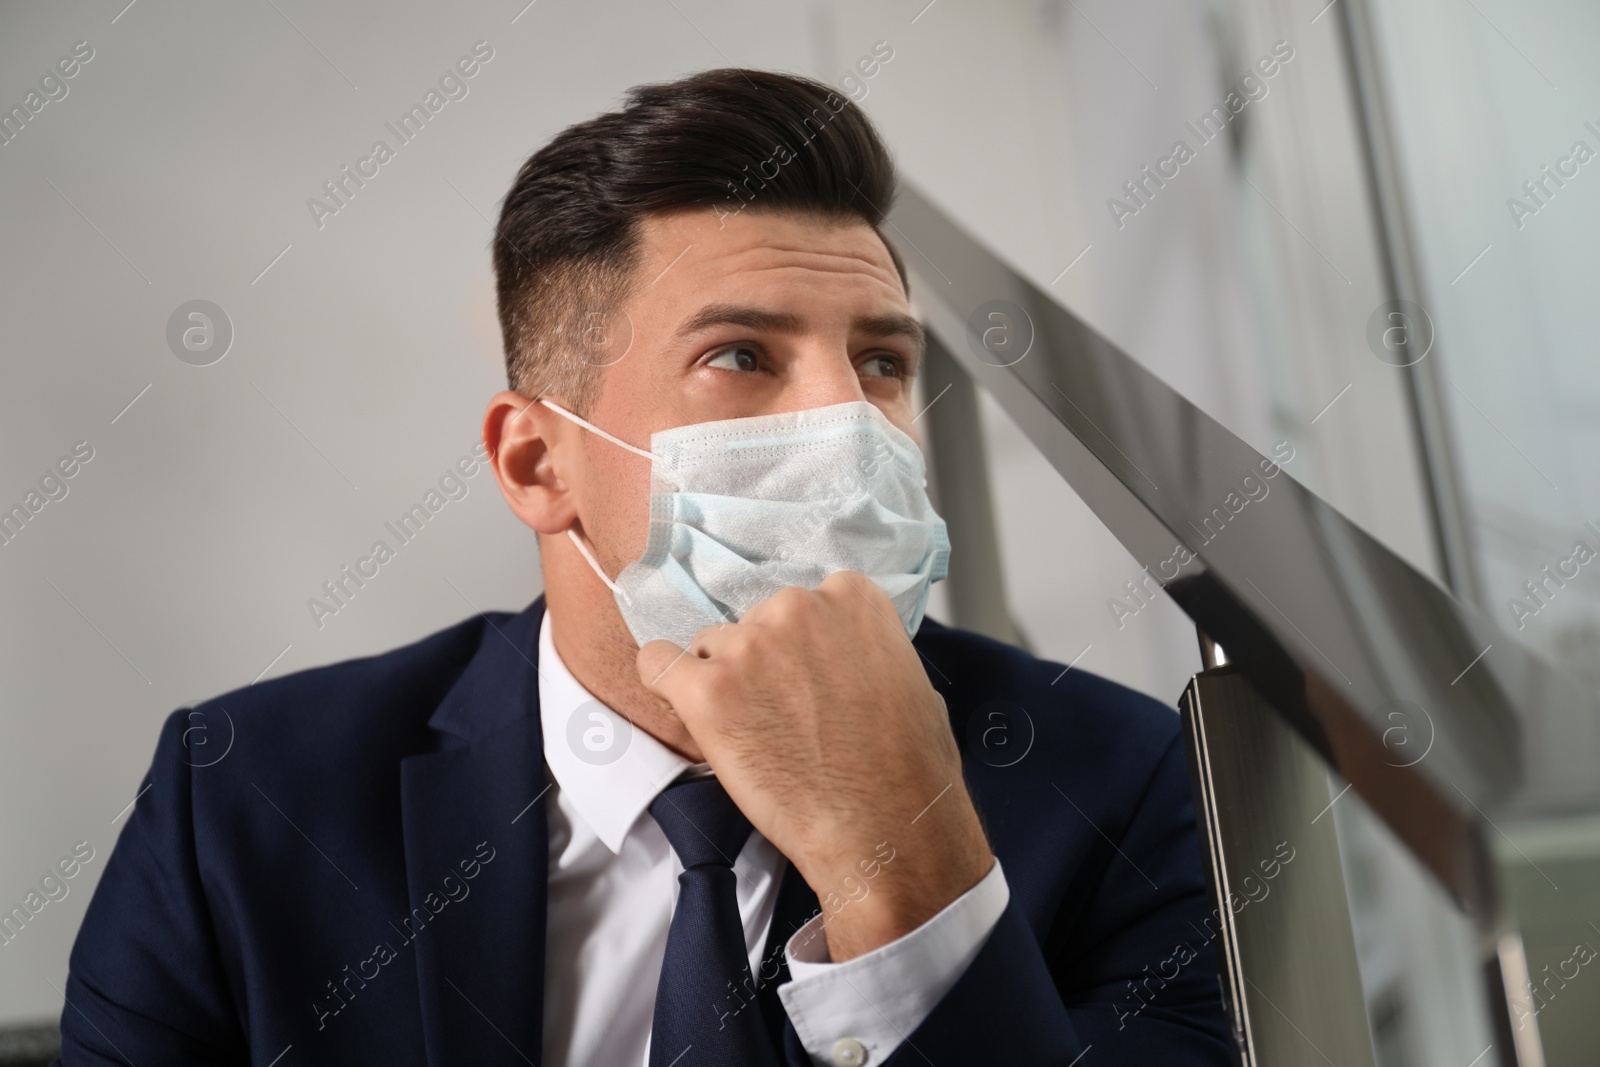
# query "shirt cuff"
(871, 1003)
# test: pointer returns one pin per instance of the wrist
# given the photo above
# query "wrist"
(910, 881)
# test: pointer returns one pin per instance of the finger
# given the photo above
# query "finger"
(848, 586)
(780, 608)
(661, 665)
(843, 582)
(712, 639)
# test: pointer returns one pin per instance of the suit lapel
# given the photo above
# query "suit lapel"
(477, 855)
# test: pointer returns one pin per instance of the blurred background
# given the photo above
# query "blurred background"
(223, 468)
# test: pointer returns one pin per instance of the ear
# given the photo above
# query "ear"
(528, 444)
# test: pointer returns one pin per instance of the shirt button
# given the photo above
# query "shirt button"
(848, 1052)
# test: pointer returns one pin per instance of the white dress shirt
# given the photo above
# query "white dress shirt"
(613, 882)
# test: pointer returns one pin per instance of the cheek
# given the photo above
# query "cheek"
(616, 501)
(898, 411)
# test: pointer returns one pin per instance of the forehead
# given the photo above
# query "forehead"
(689, 257)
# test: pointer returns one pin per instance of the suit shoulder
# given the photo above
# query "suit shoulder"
(361, 702)
(1062, 706)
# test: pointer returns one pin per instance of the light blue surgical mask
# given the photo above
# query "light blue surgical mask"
(741, 508)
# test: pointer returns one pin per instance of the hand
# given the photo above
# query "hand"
(818, 718)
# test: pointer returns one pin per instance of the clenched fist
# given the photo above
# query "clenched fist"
(819, 720)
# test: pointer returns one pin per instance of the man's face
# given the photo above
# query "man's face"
(742, 315)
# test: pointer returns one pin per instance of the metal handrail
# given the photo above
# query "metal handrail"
(1440, 721)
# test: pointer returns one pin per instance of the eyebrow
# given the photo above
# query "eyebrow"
(889, 324)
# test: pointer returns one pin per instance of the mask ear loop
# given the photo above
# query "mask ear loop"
(577, 541)
(594, 565)
(592, 428)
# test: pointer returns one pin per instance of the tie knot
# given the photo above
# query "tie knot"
(702, 824)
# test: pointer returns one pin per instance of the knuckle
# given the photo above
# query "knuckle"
(737, 642)
(763, 644)
(840, 581)
(789, 600)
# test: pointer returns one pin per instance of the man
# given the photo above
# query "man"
(705, 801)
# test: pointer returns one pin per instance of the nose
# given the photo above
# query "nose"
(822, 375)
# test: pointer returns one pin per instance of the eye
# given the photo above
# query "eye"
(736, 357)
(884, 366)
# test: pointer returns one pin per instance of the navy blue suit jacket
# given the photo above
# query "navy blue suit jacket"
(352, 861)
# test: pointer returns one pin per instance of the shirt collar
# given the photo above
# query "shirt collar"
(610, 797)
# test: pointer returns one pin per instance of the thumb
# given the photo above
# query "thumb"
(662, 665)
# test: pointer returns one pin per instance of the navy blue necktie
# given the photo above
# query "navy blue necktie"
(706, 1010)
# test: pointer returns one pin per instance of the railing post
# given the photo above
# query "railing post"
(1280, 921)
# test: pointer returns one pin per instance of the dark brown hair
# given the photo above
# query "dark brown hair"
(726, 140)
